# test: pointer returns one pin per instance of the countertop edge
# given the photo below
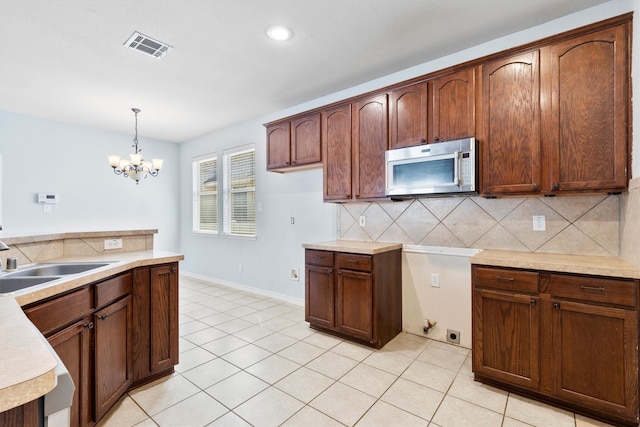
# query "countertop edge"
(609, 266)
(354, 246)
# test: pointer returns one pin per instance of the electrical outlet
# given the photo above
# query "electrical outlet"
(539, 223)
(362, 221)
(112, 244)
(292, 220)
(294, 274)
(435, 280)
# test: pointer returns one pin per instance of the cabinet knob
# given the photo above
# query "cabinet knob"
(330, 271)
(88, 325)
(556, 185)
(173, 269)
(556, 306)
(436, 139)
(535, 186)
(102, 316)
(532, 302)
(423, 141)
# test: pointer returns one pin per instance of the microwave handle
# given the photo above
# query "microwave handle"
(456, 168)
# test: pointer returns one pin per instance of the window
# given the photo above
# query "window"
(205, 194)
(234, 213)
(239, 183)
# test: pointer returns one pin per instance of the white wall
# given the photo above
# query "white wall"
(42, 156)
(267, 260)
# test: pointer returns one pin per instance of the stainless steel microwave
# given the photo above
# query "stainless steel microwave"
(438, 168)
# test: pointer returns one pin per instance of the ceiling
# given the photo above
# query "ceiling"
(65, 60)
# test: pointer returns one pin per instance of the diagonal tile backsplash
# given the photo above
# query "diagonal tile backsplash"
(587, 225)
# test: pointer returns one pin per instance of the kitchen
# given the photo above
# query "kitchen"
(116, 205)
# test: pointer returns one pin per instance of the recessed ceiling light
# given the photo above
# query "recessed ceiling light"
(279, 33)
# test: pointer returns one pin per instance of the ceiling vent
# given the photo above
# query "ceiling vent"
(147, 45)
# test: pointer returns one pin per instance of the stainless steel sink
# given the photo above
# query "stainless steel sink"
(12, 284)
(40, 273)
(56, 269)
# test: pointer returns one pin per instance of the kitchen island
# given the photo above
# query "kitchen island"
(131, 280)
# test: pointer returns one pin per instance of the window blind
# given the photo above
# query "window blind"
(240, 188)
(205, 185)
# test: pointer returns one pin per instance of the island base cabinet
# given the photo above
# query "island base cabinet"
(73, 347)
(27, 415)
(155, 319)
(112, 354)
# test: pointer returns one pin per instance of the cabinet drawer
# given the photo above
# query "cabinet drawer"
(313, 257)
(113, 289)
(595, 289)
(354, 262)
(61, 311)
(502, 278)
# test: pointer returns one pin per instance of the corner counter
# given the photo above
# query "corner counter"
(579, 264)
(27, 366)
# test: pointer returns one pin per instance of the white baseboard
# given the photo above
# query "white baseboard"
(214, 281)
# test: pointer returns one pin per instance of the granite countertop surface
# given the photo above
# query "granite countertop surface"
(27, 367)
(579, 264)
(354, 246)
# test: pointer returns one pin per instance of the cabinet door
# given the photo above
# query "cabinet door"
(73, 346)
(278, 146)
(408, 113)
(506, 337)
(337, 152)
(305, 140)
(112, 354)
(164, 317)
(595, 356)
(355, 304)
(319, 296)
(453, 108)
(511, 125)
(370, 141)
(587, 113)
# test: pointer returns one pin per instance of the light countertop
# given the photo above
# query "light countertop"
(27, 367)
(579, 264)
(354, 246)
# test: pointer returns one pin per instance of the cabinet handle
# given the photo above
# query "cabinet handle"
(536, 186)
(88, 325)
(505, 279)
(592, 288)
(436, 139)
(173, 269)
(532, 302)
(556, 306)
(556, 185)
(423, 141)
(102, 316)
(330, 271)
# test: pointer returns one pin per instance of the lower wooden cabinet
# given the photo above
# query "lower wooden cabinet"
(356, 296)
(112, 357)
(112, 335)
(568, 339)
(155, 319)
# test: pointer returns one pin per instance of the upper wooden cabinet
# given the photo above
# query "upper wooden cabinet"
(441, 109)
(585, 81)
(511, 152)
(337, 152)
(355, 139)
(453, 106)
(408, 115)
(294, 144)
(556, 119)
(370, 141)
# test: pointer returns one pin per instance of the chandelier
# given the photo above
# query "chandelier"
(136, 168)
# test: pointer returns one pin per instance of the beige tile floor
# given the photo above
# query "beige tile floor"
(246, 359)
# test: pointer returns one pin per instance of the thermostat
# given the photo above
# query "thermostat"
(50, 199)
